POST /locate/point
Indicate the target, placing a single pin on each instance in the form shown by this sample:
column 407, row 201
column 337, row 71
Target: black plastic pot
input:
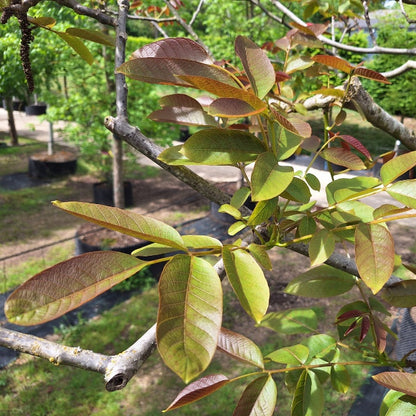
column 103, row 193
column 43, row 166
column 36, row 109
column 19, row 105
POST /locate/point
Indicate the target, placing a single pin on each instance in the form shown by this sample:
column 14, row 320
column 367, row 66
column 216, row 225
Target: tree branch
column 407, row 66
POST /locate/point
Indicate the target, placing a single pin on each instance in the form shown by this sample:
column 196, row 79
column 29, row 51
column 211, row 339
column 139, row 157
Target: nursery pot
column 103, row 193
column 43, row 165
column 36, row 109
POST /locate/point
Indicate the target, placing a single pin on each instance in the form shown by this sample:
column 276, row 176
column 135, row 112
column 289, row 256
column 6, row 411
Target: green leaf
column 321, row 246
column 343, row 157
column 198, row 389
column 291, row 321
column 240, row 348
column 44, row 21
column 248, row 282
column 201, row 241
column 261, row 256
column 257, row 65
column 240, row 197
column 404, row 382
column 293, row 355
column 401, row 294
column 313, row 181
column 320, row 346
column 297, row 191
column 78, row 46
column 68, row 285
column 404, row 192
column 259, row 398
column 340, row 378
column 298, row 63
column 236, row 227
column 309, row 397
column 262, row 211
column 222, row 147
column 307, row 226
column 92, row 35
column 374, row 254
column 269, row 179
column 343, row 189
column 153, row 249
column 397, row 166
column 190, row 314
column 230, row 210
column 405, row 405
column 287, row 142
column 320, row 282
column 173, row 156
column 389, row 399
column 126, row 222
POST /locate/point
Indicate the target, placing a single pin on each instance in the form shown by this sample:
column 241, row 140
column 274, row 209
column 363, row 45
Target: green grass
column 14, row 275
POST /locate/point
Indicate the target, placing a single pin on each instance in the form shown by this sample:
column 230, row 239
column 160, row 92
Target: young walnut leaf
column 67, row 285
column 397, row 166
column 240, row 348
column 404, row 382
column 374, row 254
column 334, row 62
column 257, row 65
column 125, row 222
column 259, row 398
column 370, row 74
column 190, row 314
column 198, row 390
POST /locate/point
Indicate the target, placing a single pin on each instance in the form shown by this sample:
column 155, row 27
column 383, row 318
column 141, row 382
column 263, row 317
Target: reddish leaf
column 179, row 48
column 68, row 285
column 334, row 62
column 282, row 76
column 304, row 29
column 381, row 334
column 404, row 382
column 198, row 389
column 356, row 144
column 343, row 157
column 232, row 107
column 370, row 74
column 348, row 315
column 284, row 122
column 240, row 347
column 257, row 65
column 350, row 328
column 365, row 326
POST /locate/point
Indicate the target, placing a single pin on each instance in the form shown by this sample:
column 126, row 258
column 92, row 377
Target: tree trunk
column 12, row 126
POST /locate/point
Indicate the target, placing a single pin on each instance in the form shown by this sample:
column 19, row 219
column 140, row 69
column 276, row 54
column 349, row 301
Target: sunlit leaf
column 386, row 210
column 397, row 166
column 405, row 405
column 190, row 314
column 374, row 255
column 201, row 241
column 319, row 282
column 340, row 378
column 248, row 281
column 297, row 191
column 356, row 144
column 343, row 157
column 388, row 400
column 183, row 48
column 345, row 188
column 170, row 71
column 198, row 389
column 92, row 35
column 257, row 65
column 44, row 21
column 222, row 147
column 321, row 246
column 320, row 346
column 285, row 123
column 404, row 192
column 334, row 62
column 291, row 321
column 236, row 227
column 223, row 89
column 287, row 143
column 269, row 179
column 401, row 294
column 126, row 222
column 153, row 249
column 68, row 285
column 240, row 197
column 263, row 211
column 78, row 46
column 298, row 63
column 259, row 398
column 173, row 156
column 370, row 74
column 293, row 355
column 240, row 347
column 404, row 382
column 260, row 254
column 232, row 107
column 230, row 210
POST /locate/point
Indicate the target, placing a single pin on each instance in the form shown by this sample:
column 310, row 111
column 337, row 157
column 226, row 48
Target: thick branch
column 96, row 14
column 144, row 145
column 407, row 66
